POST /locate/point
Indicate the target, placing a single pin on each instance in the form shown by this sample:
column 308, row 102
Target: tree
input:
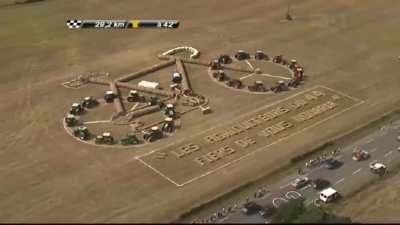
column 333, row 218
column 295, row 211
column 316, row 215
column 312, row 214
column 290, row 211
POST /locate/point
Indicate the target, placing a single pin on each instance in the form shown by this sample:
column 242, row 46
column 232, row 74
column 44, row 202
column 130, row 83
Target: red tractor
column 298, row 72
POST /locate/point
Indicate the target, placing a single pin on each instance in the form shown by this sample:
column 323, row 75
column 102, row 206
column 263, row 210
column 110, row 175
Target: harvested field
column 50, row 177
column 377, row 203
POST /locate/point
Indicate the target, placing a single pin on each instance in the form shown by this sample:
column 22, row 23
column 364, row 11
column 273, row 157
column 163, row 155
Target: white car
column 300, row 182
column 377, row 168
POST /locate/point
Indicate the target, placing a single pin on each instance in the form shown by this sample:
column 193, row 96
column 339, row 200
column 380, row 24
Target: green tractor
column 76, row 109
column 82, row 133
column 168, row 125
column 153, row 134
column 89, row 102
column 110, row 96
column 130, row 139
column 71, row 120
column 134, row 96
column 99, row 140
column 169, row 111
column 105, row 138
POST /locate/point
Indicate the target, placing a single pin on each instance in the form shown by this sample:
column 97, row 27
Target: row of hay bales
column 182, row 70
column 145, row 71
column 194, row 52
column 145, row 90
column 117, row 101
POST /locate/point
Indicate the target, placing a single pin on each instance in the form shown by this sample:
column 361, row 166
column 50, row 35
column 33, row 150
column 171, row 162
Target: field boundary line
column 158, row 172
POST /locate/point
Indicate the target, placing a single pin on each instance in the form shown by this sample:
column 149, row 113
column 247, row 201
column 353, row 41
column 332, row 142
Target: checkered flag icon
column 74, row 24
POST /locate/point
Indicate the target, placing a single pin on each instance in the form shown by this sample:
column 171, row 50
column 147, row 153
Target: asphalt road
column 382, row 146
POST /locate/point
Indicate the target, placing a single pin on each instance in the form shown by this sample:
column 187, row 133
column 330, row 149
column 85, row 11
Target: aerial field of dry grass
column 378, row 203
column 47, row 176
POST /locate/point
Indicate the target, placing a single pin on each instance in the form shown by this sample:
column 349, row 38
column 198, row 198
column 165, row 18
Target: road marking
column 305, row 187
column 266, row 195
column 373, row 150
column 161, row 174
column 339, row 181
column 357, row 171
column 293, row 195
column 387, row 154
column 277, row 205
column 374, row 161
column 369, row 141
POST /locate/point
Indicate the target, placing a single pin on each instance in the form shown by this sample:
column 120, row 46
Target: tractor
column 258, row 86
column 259, row 55
column 89, row 102
column 110, row 96
column 168, row 125
column 219, row 75
column 280, row 86
column 224, row 59
column 293, row 64
column 242, row 55
column 294, row 82
column 215, row 65
column 76, row 109
column 176, row 78
column 71, row 120
column 299, row 72
column 108, row 139
column 105, row 138
column 277, row 59
column 82, row 133
column 99, row 140
column 130, row 139
column 234, row 83
column 134, row 96
column 169, row 110
column 153, row 134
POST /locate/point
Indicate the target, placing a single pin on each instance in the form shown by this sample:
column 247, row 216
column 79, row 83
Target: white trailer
column 149, row 84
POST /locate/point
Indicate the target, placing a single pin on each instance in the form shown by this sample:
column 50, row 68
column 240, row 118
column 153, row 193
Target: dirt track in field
column 47, row 176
